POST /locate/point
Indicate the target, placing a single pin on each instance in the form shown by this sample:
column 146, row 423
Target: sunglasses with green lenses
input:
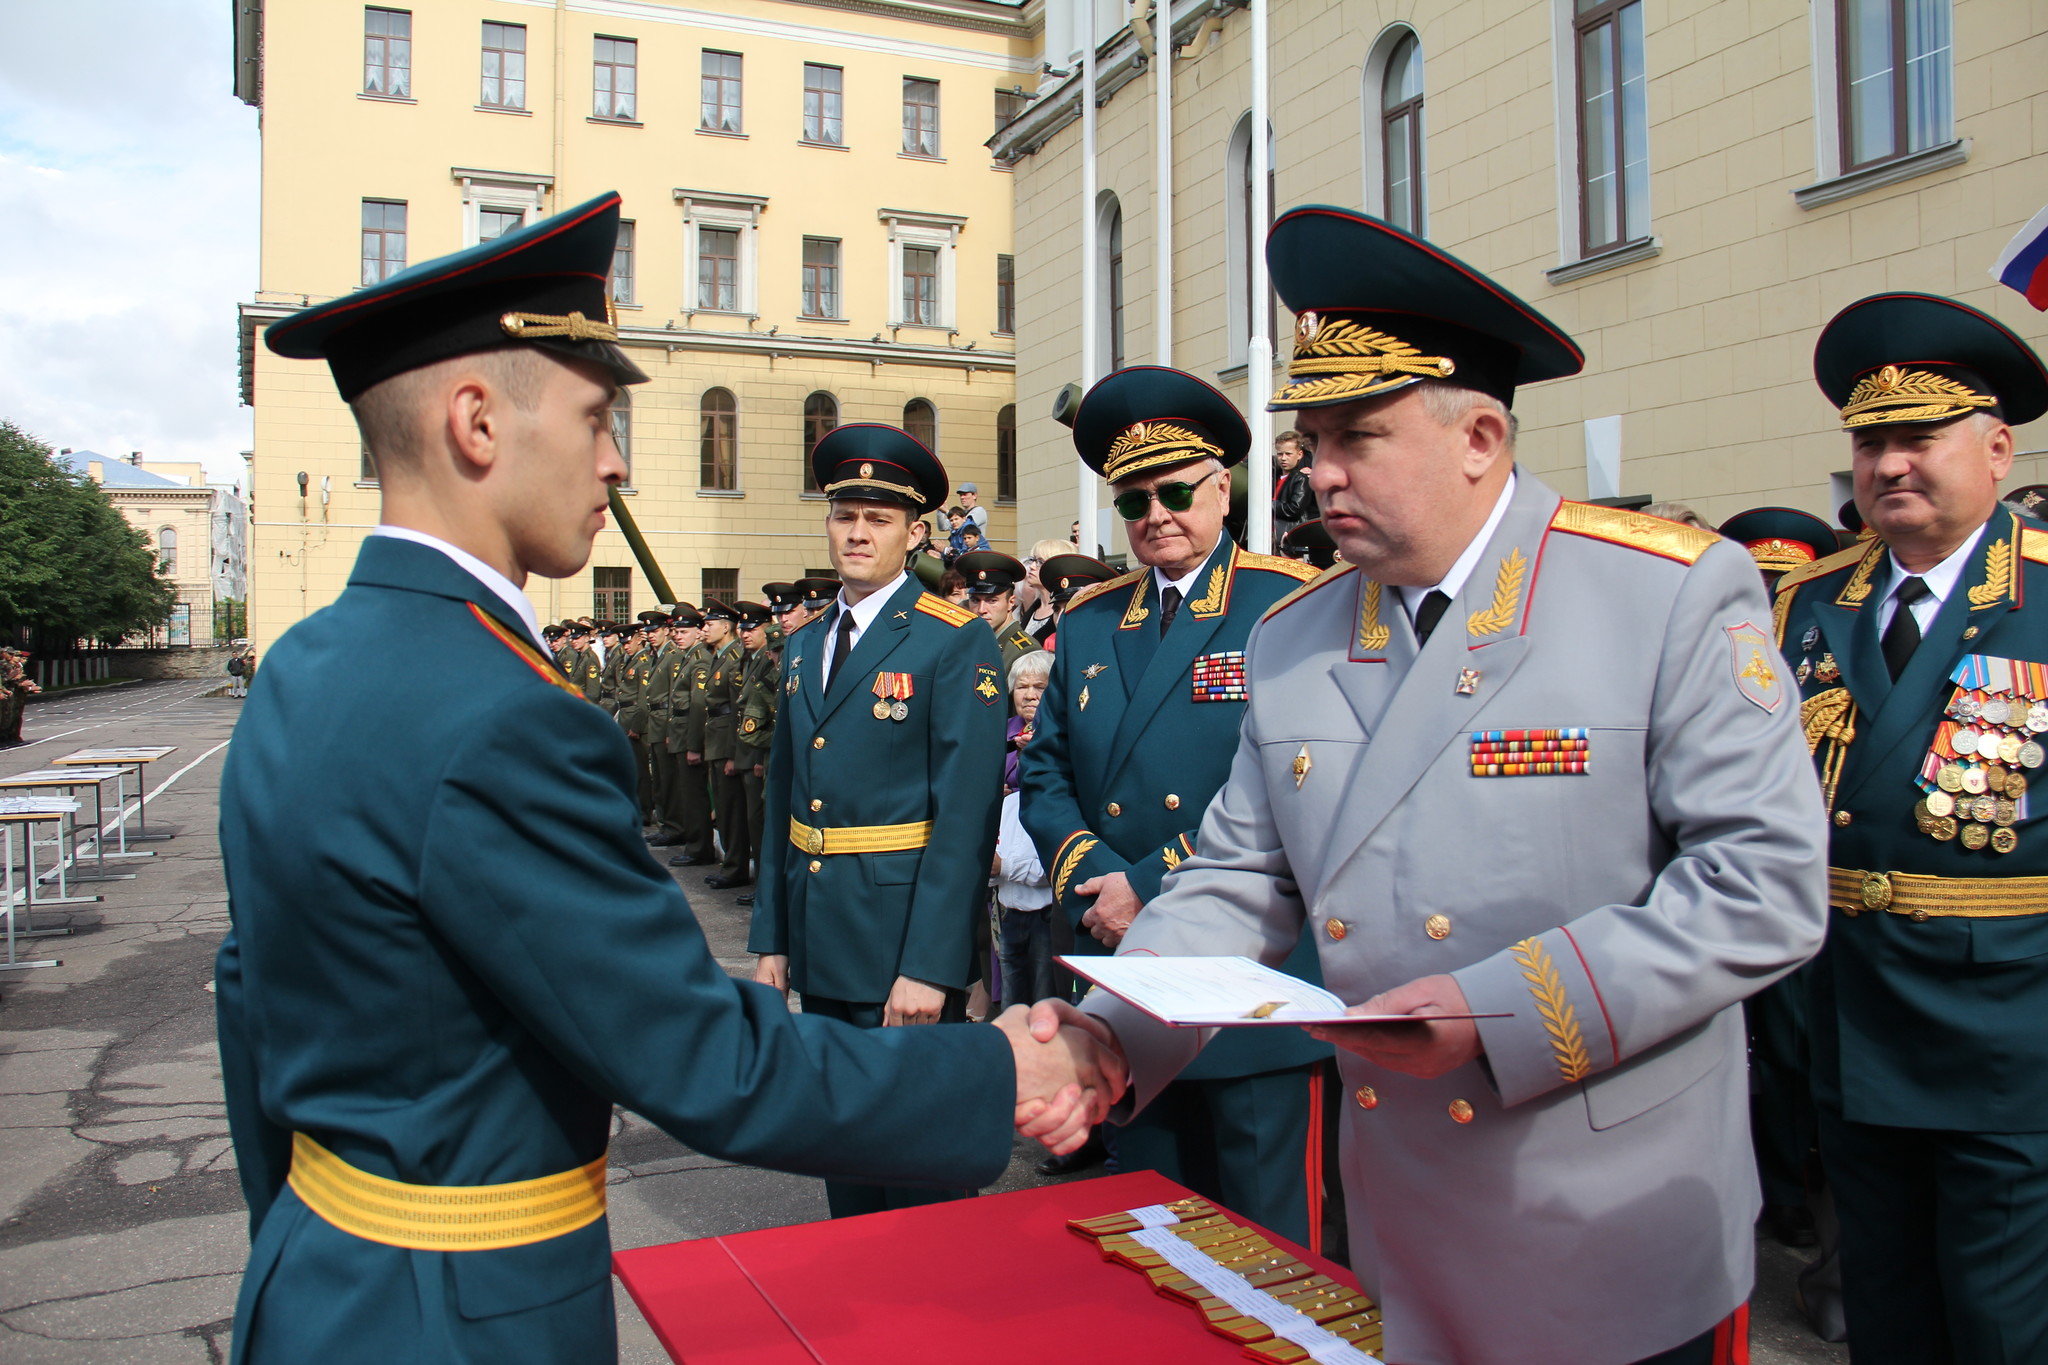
column 1174, row 497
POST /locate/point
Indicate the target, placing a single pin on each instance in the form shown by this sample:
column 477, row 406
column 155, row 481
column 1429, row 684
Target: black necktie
column 1902, row 636
column 1169, row 607
column 842, row 645
column 1432, row 610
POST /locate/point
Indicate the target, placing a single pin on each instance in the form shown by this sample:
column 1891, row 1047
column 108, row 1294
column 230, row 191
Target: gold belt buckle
column 814, row 840
column 1877, row 891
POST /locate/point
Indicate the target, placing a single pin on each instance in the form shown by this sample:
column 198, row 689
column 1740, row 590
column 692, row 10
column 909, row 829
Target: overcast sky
column 128, row 227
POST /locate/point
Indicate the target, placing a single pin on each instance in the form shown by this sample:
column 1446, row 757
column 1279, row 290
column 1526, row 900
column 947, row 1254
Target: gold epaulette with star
column 1329, row 575
column 1825, row 565
column 953, row 615
column 1618, row 526
column 1095, row 590
column 1295, row 569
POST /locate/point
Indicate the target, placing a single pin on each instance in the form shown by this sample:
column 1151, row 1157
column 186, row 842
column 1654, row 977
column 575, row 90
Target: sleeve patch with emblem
column 985, row 686
column 1753, row 663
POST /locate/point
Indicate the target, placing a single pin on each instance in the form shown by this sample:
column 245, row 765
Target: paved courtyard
column 122, row 1230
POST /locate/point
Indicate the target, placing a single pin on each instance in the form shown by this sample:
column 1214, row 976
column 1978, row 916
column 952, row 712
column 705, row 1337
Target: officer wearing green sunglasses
column 1133, row 737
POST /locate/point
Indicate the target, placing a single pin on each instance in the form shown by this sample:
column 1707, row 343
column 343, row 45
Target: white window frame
column 932, row 230
column 730, row 212
column 511, row 191
column 1572, row 263
column 1830, row 182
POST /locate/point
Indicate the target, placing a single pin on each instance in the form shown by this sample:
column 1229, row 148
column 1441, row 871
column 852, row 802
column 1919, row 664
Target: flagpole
column 1162, row 180
column 1259, row 353
column 1091, row 303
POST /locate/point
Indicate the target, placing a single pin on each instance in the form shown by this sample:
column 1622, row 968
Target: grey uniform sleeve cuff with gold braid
column 1558, row 1033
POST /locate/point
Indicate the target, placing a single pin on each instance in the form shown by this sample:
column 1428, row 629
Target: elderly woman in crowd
column 1023, row 896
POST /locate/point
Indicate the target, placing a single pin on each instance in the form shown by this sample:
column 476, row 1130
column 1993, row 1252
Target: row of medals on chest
column 1979, row 803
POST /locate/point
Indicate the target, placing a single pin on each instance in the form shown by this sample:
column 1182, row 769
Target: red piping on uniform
column 1598, row 998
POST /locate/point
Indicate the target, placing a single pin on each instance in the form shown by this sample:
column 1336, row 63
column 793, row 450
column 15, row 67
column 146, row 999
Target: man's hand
column 772, row 969
column 632, row 734
column 693, row 759
column 1070, row 1071
column 1419, row 1049
column 1116, row 905
column 728, row 767
column 760, row 770
column 912, row 1002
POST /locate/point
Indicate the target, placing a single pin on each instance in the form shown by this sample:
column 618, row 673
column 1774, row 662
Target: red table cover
column 998, row 1280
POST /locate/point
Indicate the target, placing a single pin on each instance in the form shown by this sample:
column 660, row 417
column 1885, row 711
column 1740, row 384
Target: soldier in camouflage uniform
column 760, row 690
column 721, row 729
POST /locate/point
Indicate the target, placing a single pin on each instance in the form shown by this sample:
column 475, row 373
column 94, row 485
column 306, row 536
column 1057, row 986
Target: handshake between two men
column 1070, row 1072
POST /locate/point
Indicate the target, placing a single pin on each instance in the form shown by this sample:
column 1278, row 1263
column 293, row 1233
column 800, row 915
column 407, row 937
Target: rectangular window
column 721, row 92
column 383, row 239
column 719, row 585
column 622, row 264
column 366, row 467
column 821, row 277
column 622, row 430
column 718, row 269
column 824, row 112
column 387, row 52
column 718, row 441
column 611, row 594
column 920, row 117
column 493, row 223
column 1614, row 125
column 921, row 285
column 1009, row 104
column 615, row 79
column 504, row 66
column 1896, row 78
column 1006, row 294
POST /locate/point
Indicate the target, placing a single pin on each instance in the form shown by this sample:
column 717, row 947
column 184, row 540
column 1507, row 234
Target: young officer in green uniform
column 992, row 579
column 586, row 670
column 420, row 1066
column 657, row 697
column 1922, row 657
column 759, row 689
column 559, row 646
column 1065, row 576
column 1135, row 734
column 686, row 806
column 608, row 679
column 719, row 695
column 877, row 864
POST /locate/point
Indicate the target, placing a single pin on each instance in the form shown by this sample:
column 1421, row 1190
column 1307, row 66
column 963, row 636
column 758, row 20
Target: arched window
column 921, row 420
column 1243, row 237
column 719, row 444
column 1113, row 282
column 821, row 414
column 622, row 429
column 1401, row 135
column 1006, row 453
column 167, row 552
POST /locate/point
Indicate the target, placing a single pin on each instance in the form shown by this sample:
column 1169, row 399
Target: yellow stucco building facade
column 816, row 234
column 1691, row 188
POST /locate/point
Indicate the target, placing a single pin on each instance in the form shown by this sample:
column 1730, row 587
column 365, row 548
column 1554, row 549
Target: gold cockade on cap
column 1337, row 359
column 574, row 326
column 1894, row 394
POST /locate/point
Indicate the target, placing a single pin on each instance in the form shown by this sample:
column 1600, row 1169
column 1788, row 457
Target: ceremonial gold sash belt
column 1922, row 897
column 444, row 1217
column 860, row 838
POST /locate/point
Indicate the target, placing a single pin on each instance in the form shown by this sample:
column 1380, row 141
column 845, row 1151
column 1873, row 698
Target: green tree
column 71, row 567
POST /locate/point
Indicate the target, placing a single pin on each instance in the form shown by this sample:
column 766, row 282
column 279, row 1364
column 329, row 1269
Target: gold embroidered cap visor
column 1780, row 539
column 1378, row 309
column 542, row 285
column 1894, row 359
column 1148, row 417
column 873, row 462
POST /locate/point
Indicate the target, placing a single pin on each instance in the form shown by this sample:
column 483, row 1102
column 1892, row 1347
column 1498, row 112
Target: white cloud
column 129, row 172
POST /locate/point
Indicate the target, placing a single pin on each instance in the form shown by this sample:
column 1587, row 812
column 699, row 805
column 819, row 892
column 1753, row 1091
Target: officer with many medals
column 1922, row 657
column 875, row 868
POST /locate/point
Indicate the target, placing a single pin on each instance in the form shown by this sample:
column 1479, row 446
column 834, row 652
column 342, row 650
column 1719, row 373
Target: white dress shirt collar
column 863, row 613
column 503, row 587
column 1186, row 582
column 1940, row 580
column 1454, row 581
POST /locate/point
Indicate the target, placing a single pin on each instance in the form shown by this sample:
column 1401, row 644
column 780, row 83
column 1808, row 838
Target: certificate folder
column 1225, row 992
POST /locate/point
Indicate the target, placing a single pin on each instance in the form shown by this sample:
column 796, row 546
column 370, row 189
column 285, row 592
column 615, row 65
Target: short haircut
column 1447, row 403
column 1037, row 665
column 391, row 417
column 1290, row 436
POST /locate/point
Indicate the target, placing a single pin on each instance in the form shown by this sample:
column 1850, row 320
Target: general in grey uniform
column 1569, row 788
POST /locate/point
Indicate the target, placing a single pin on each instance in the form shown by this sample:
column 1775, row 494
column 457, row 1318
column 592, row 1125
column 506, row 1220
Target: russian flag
column 2023, row 265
